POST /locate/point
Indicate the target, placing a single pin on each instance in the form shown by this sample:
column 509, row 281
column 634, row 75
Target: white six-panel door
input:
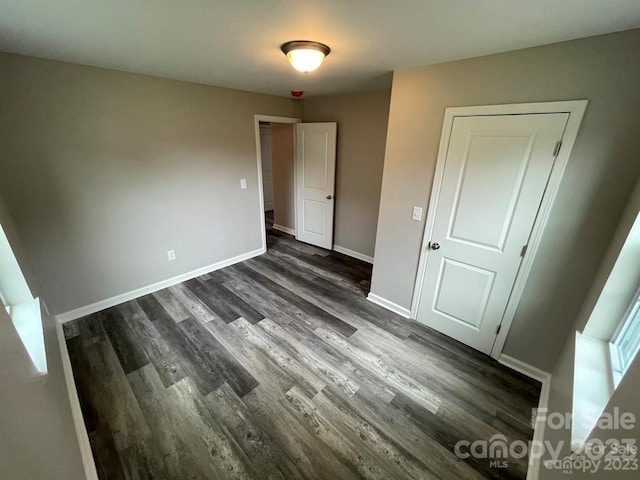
column 315, row 182
column 495, row 174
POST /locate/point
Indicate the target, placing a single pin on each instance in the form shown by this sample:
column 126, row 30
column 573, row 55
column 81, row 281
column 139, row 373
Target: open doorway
column 277, row 154
column 278, row 175
column 296, row 168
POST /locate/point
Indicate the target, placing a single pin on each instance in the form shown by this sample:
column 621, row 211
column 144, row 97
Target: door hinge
column 524, row 250
column 498, row 329
column 556, row 150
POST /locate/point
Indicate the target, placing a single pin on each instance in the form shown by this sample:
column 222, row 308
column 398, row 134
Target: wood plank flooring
column 279, row 368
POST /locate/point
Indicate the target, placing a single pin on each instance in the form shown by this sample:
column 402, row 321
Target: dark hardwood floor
column 279, row 368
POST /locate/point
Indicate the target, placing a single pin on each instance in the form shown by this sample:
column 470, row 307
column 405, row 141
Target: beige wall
column 604, row 164
column 37, row 439
column 362, row 128
column 105, row 171
column 282, row 158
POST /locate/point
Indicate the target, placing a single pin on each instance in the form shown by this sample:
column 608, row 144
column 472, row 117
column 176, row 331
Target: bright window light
column 626, row 342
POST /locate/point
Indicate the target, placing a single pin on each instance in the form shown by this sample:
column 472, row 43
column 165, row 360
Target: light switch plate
column 416, row 214
column 243, row 183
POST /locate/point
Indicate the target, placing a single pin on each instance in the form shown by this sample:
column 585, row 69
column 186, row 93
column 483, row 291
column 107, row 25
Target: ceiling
column 235, row 43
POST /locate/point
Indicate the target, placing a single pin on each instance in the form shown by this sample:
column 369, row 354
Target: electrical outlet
column 243, row 183
column 416, row 214
column 171, row 255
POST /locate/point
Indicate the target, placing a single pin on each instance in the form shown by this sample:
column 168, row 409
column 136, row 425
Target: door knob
column 329, row 197
column 434, row 245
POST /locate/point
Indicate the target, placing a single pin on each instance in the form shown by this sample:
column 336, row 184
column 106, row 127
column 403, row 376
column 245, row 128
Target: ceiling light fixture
column 304, row 55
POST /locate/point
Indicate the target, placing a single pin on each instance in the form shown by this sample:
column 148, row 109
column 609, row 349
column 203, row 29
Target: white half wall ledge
column 395, row 308
column 281, row 228
column 88, row 461
column 27, row 320
column 353, row 253
column 139, row 292
column 533, row 470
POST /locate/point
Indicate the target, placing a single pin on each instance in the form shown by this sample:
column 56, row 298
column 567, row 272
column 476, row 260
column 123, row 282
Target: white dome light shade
column 305, row 56
column 305, row 60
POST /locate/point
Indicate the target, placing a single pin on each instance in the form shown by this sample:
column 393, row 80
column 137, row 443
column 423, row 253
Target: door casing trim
column 271, row 119
column 576, row 110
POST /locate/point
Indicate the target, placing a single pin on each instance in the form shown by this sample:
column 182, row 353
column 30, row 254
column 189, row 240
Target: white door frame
column 575, row 109
column 270, row 119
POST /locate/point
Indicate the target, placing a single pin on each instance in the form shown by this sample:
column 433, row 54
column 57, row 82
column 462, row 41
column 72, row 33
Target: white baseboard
column 353, row 253
column 524, row 368
column 288, row 230
column 125, row 297
column 76, row 411
column 533, row 471
column 383, row 302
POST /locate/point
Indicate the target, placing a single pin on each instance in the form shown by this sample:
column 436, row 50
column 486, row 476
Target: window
column 626, row 341
column 610, row 340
